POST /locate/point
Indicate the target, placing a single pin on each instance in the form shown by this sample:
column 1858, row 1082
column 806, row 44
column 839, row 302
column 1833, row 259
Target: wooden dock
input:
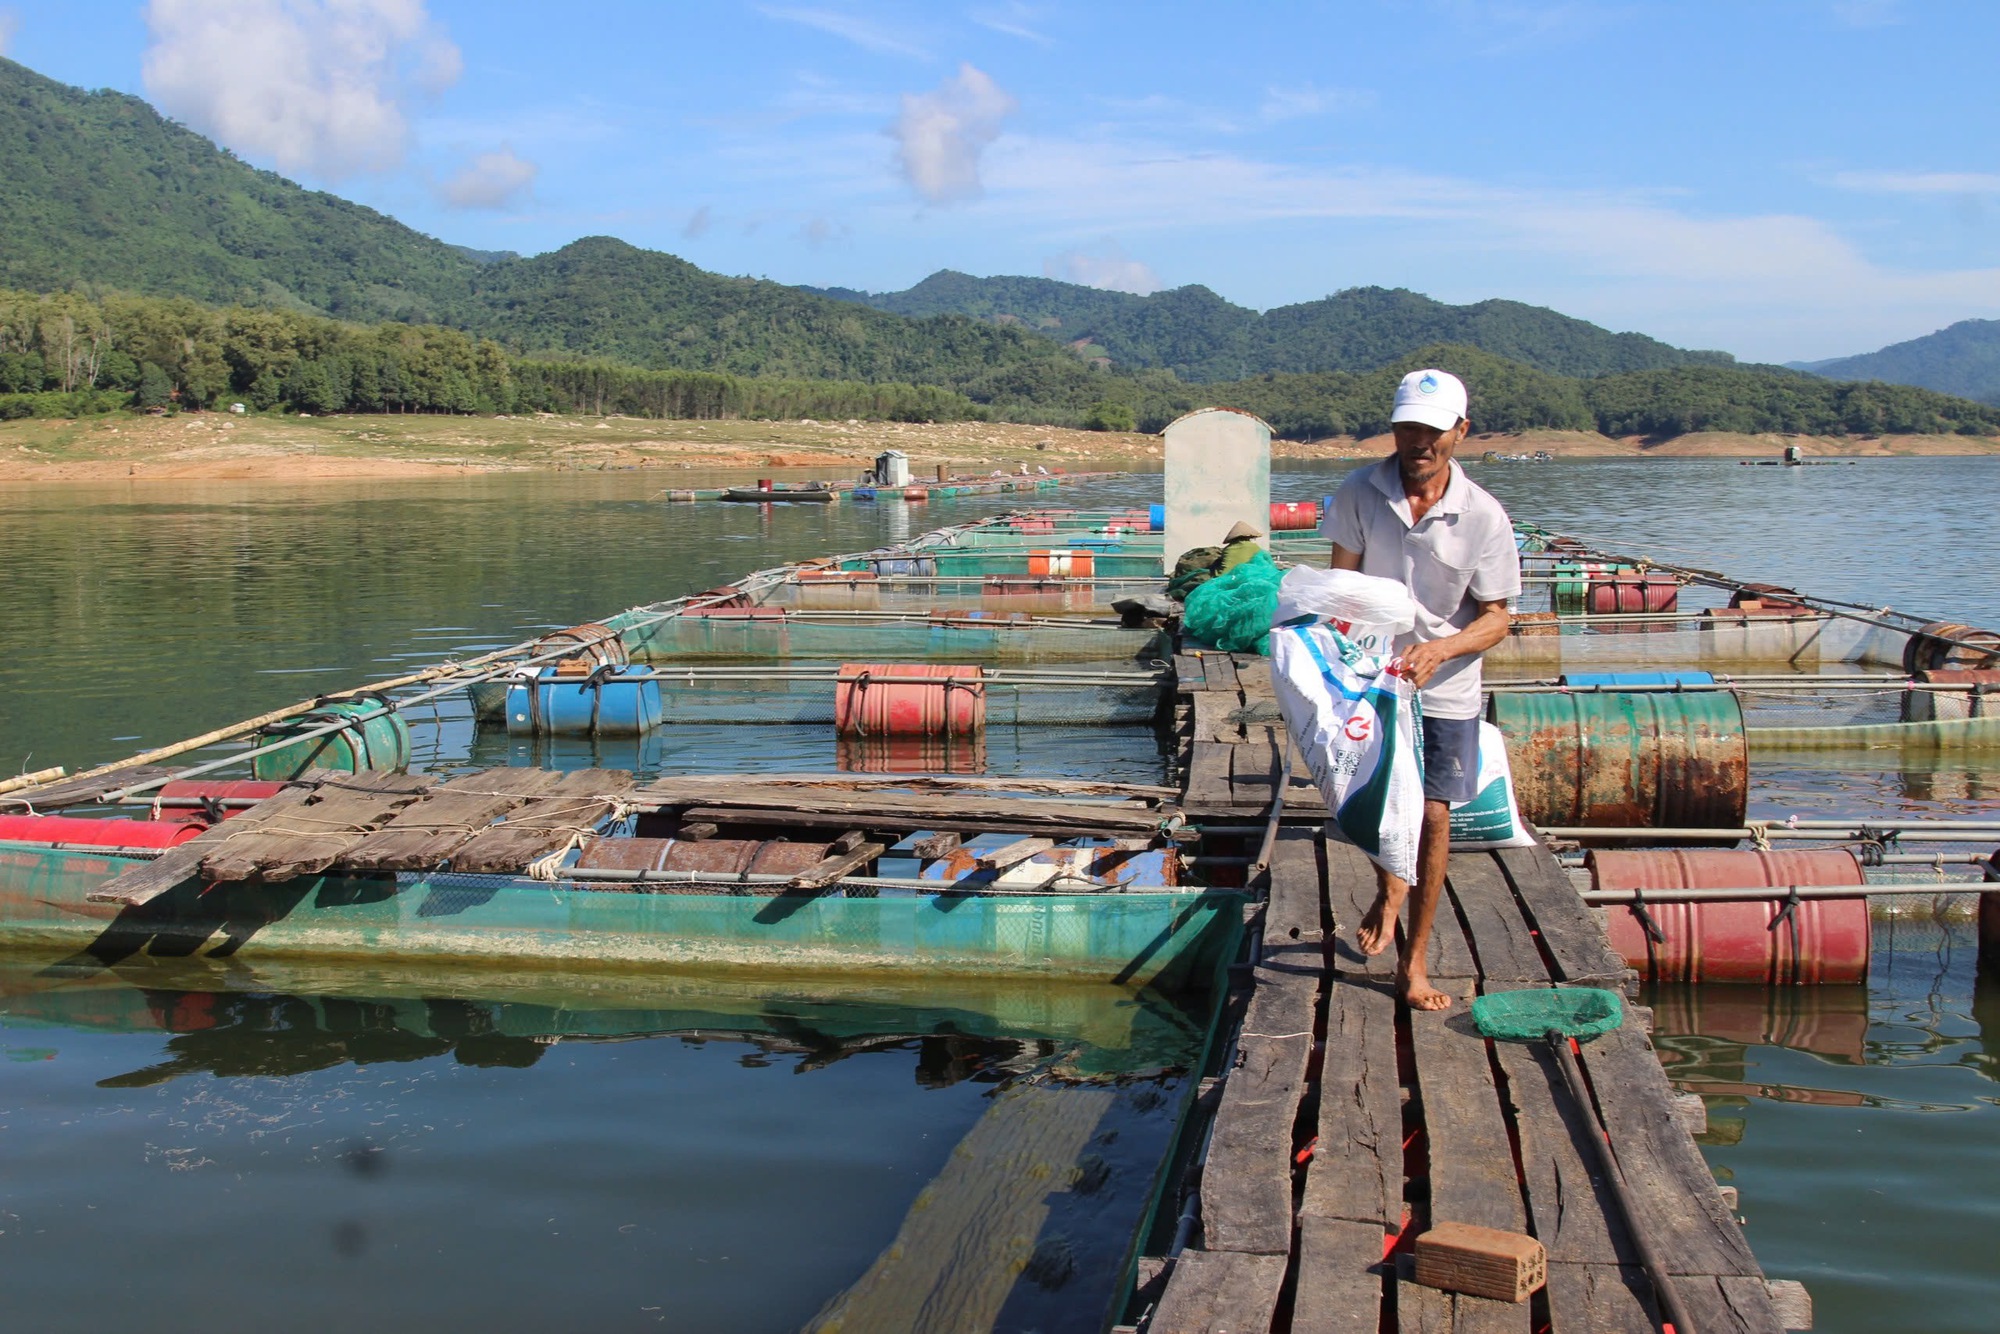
column 1345, row 1123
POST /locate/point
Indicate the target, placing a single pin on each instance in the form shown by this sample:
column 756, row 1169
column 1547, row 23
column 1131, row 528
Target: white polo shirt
column 1460, row 554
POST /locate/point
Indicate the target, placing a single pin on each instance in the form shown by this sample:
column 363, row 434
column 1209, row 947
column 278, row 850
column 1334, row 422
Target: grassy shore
column 216, row 446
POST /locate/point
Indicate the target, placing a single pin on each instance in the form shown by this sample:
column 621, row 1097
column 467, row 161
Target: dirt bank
column 214, row 446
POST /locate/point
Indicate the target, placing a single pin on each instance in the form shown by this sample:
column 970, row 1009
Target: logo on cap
column 1428, row 385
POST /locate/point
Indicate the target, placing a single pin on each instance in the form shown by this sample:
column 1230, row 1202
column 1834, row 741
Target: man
column 1415, row 517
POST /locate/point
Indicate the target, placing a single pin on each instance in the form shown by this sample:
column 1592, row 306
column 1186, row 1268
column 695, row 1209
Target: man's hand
column 1421, row 661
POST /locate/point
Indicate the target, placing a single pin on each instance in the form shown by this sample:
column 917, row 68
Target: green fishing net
column 1233, row 611
column 1529, row 1016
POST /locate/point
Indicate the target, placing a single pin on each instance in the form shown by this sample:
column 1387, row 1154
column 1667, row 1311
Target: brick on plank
column 421, row 836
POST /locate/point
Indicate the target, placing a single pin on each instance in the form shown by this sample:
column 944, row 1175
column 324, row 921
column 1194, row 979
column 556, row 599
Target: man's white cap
column 1435, row 398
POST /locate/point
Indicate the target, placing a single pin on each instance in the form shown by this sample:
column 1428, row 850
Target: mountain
column 1963, row 359
column 1200, row 336
column 100, row 192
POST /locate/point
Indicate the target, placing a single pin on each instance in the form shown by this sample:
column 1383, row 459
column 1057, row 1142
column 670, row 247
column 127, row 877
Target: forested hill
column 1963, row 359
column 99, row 191
column 1200, row 336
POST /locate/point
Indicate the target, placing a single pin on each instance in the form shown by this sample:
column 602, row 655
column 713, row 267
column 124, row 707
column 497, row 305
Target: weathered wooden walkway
column 1345, row 1123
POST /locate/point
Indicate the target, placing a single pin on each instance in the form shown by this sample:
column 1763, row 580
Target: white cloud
column 1920, row 182
column 10, row 23
column 940, row 135
column 320, row 87
column 1013, row 19
column 1311, row 100
column 848, row 27
column 1104, row 265
column 491, row 180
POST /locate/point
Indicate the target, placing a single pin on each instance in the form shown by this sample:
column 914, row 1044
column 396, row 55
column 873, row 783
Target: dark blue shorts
column 1451, row 759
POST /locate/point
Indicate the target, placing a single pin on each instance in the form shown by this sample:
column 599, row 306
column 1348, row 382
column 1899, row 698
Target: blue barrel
column 1637, row 678
column 611, row 701
column 862, row 493
column 378, row 744
column 1156, row 518
column 922, row 565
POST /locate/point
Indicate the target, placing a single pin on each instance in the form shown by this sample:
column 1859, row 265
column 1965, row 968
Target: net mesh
column 1233, row 611
column 1530, row 1016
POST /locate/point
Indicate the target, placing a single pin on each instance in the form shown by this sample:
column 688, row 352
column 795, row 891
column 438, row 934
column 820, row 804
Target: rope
column 1760, row 834
column 549, row 866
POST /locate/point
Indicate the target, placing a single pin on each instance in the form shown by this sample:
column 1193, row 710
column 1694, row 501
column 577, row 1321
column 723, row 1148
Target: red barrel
column 1062, row 564
column 909, row 699
column 1734, row 940
column 177, row 800
column 1035, row 526
column 916, row 493
column 1630, row 592
column 763, row 484
column 1294, row 515
column 70, row 830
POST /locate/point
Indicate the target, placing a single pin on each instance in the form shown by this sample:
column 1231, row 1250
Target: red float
column 1290, row 516
column 1630, row 593
column 185, row 798
column 909, row 699
column 1062, row 564
column 1737, row 940
column 74, row 831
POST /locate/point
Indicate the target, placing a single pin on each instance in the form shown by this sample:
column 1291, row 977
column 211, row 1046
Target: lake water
column 218, row 1151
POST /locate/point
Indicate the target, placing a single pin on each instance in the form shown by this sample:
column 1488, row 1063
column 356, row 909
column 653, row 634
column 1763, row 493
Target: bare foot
column 1378, row 928
column 1416, row 989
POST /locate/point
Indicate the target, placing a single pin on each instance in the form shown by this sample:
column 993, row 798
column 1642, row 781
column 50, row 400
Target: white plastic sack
column 1355, row 723
column 1490, row 819
column 1370, row 611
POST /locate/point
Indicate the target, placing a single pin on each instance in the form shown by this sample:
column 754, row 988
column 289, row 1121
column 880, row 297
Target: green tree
column 155, row 389
column 1105, row 415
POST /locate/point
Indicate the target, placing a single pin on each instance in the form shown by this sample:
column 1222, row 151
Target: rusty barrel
column 1061, row 563
column 76, row 831
column 1928, row 706
column 1766, row 597
column 1931, row 649
column 1290, row 516
column 909, row 699
column 721, row 856
column 1741, row 940
column 916, row 493
column 592, row 643
column 1630, row 592
column 1627, row 759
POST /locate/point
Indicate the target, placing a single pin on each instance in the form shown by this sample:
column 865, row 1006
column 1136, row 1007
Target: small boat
column 818, row 493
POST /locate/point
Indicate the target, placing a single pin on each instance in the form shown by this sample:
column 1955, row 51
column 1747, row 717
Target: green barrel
column 380, row 744
column 1570, row 592
column 1665, row 759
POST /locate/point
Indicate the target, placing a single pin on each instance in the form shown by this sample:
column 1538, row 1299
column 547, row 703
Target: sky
column 1781, row 179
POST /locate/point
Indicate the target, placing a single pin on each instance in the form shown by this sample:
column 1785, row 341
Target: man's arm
column 1488, row 628
column 1343, row 559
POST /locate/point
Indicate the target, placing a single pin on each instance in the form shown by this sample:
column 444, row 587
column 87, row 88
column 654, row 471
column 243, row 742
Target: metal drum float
column 909, row 699
column 1632, row 593
column 362, row 745
column 1062, row 564
column 70, row 831
column 1291, row 516
column 591, row 644
column 1626, row 759
column 1770, row 942
column 1928, row 706
column 613, row 700
column 1931, row 649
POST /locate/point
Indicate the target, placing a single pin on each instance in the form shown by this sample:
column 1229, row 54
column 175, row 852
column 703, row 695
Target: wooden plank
column 566, row 811
column 314, row 836
column 1208, row 774
column 1218, row 671
column 1217, row 716
column 1293, row 906
column 1471, row 1161
column 1247, row 1182
column 829, row 869
column 1421, row 1310
column 1452, row 966
column 1013, row 854
column 1356, row 1172
column 1220, row 1292
column 1570, row 931
column 1253, row 674
column 1188, row 674
column 1673, row 1192
column 1725, row 1304
column 1573, row 1211
column 937, row 845
column 948, row 812
column 1340, row 1271
column 421, row 836
column 1350, row 889
column 142, row 884
column 76, row 791
column 1592, row 1297
column 1500, row 935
